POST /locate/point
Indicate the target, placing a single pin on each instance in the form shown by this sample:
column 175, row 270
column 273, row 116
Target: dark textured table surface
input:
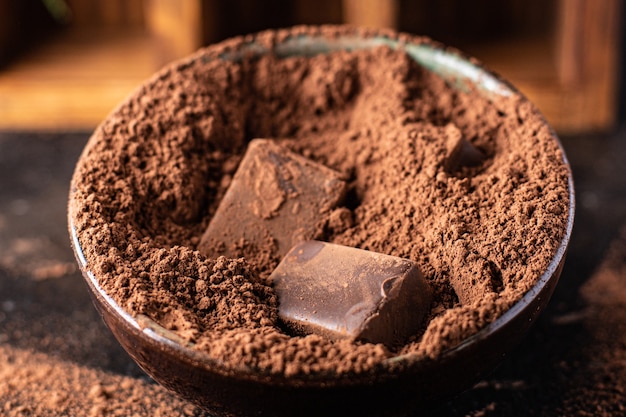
column 57, row 358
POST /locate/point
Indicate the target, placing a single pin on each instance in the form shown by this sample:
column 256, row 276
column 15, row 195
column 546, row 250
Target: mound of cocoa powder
column 154, row 172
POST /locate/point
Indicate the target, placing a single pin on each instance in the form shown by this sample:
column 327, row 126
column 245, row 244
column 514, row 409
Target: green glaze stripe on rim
column 447, row 64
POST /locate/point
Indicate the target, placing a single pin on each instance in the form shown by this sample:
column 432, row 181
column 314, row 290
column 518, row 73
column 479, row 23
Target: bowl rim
column 448, row 62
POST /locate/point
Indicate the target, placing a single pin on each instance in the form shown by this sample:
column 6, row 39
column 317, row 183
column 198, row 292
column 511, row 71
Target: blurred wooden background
column 64, row 64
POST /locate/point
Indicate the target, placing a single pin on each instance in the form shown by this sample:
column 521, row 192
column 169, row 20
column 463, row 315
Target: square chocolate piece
column 275, row 194
column 342, row 292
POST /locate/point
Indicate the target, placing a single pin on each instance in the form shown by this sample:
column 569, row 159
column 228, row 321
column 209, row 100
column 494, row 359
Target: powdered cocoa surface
column 154, row 172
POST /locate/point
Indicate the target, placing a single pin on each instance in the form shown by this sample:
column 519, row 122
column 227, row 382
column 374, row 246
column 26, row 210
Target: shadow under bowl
column 226, row 391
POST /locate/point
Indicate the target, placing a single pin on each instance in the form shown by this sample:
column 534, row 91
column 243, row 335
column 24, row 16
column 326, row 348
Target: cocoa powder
column 153, row 174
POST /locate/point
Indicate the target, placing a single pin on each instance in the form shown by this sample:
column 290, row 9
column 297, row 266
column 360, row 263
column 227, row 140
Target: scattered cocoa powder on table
column 154, row 172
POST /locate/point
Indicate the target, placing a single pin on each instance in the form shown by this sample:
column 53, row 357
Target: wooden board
column 74, row 81
column 572, row 77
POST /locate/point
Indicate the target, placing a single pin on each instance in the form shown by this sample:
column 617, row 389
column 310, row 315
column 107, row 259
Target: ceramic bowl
column 419, row 384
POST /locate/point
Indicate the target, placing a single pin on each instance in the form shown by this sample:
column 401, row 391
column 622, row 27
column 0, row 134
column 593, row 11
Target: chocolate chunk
column 275, row 194
column 347, row 293
column 460, row 152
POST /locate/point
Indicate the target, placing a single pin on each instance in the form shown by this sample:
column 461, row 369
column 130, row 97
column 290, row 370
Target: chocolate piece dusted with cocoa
column 460, row 152
column 342, row 292
column 275, row 195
